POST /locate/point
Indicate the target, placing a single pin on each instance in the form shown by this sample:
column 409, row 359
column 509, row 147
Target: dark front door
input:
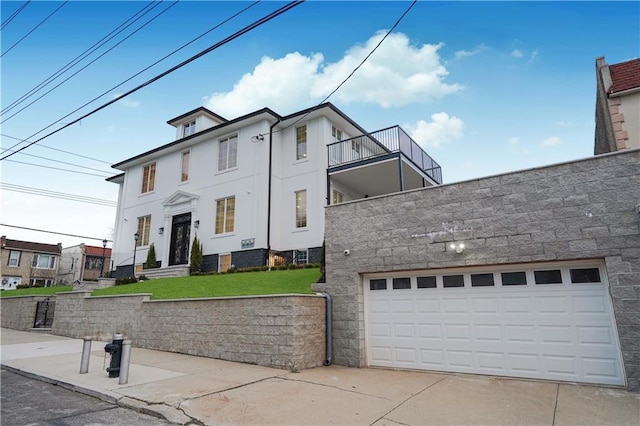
column 180, row 233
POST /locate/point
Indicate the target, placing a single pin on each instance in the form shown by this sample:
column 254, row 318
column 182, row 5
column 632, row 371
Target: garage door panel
column 554, row 331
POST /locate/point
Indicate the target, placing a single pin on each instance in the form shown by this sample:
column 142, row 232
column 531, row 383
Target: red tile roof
column 35, row 247
column 96, row 251
column 625, row 76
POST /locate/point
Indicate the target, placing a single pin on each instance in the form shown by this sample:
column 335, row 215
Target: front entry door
column 180, row 237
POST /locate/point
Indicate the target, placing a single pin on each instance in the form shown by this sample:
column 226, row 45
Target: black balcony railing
column 383, row 142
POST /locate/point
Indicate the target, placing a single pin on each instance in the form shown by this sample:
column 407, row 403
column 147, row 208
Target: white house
column 253, row 189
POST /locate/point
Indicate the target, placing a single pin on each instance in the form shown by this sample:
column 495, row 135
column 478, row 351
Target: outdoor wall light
column 459, row 248
column 161, row 231
column 196, row 224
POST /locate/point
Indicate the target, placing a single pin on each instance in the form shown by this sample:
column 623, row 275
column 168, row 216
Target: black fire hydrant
column 115, row 349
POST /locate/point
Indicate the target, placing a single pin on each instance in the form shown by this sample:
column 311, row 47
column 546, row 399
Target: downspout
column 269, row 190
column 328, row 329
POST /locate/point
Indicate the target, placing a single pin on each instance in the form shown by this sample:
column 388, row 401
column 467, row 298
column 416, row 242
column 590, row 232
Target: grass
column 35, row 291
column 297, row 281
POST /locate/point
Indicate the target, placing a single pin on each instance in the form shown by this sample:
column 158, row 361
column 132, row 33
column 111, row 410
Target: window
column 514, row 278
column 401, row 283
column 301, row 256
column 14, row 258
column 585, row 275
column 144, row 228
column 553, row 276
column 92, row 262
column 301, row 142
column 185, row 166
column 40, row 282
column 452, row 281
column 426, row 282
column 228, row 153
column 301, row 209
column 380, row 284
column 189, row 128
column 355, row 145
column 336, row 133
column 225, row 215
column 148, row 177
column 44, row 261
column 338, row 197
column 482, row 280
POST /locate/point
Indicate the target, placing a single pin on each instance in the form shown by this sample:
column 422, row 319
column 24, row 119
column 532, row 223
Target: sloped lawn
column 35, row 291
column 297, row 281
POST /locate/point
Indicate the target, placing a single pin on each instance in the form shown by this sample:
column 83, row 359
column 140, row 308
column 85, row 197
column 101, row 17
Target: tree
column 196, row 255
column 151, row 257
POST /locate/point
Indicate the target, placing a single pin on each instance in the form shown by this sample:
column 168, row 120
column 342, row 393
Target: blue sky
column 484, row 87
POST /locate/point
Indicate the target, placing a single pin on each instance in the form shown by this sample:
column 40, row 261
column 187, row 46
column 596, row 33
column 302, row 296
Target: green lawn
column 296, row 281
column 36, row 291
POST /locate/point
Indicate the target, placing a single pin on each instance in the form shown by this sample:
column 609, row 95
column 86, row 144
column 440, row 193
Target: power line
column 59, row 195
column 34, row 28
column 14, row 14
column 60, row 169
column 81, row 56
column 232, row 37
column 354, row 70
column 55, row 149
column 68, row 164
column 90, row 63
column 53, row 232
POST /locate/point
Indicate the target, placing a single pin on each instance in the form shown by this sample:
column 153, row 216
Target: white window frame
column 148, row 183
column 301, row 256
column 184, row 169
column 48, row 282
column 51, row 261
column 188, row 128
column 338, row 197
column 144, row 230
column 228, row 153
column 13, row 260
column 226, row 214
column 301, row 142
column 336, row 133
column 301, row 210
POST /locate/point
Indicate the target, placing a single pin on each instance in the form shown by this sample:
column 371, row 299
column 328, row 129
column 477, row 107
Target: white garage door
column 544, row 321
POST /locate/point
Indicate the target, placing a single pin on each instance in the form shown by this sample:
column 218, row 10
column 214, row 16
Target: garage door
column 543, row 321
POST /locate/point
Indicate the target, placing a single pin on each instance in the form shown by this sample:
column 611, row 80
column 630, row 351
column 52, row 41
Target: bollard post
column 86, row 353
column 124, row 362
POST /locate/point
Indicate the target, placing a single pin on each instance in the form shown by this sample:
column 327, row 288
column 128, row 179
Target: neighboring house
column 254, row 188
column 83, row 262
column 617, row 106
column 25, row 262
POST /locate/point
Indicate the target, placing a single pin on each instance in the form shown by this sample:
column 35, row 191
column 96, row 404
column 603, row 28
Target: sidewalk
column 187, row 389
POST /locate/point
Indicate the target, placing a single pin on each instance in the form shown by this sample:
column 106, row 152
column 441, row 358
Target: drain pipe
column 269, row 189
column 329, row 330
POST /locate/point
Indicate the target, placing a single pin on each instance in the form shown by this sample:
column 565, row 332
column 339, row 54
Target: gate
column 44, row 314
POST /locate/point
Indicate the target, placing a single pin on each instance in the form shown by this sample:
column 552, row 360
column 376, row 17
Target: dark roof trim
column 194, row 111
column 30, row 246
column 195, row 135
column 115, row 178
column 326, row 105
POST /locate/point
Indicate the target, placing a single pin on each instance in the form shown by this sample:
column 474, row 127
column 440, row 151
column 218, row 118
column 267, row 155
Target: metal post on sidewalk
column 124, row 362
column 86, row 353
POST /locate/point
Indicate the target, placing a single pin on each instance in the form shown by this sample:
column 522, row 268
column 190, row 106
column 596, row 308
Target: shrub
column 126, row 280
column 195, row 258
column 151, row 257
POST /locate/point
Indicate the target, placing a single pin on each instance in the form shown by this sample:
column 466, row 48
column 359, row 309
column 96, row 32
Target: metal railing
column 382, row 142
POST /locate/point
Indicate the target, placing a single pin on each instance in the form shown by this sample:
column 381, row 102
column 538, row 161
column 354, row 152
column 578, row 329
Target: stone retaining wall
column 284, row 331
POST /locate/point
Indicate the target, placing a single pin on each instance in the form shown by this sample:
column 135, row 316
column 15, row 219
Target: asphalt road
column 25, row 401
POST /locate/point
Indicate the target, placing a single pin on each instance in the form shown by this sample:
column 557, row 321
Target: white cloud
column 514, row 141
column 465, row 53
column 552, row 141
column 129, row 103
column 533, row 55
column 398, row 73
column 516, row 53
column 442, row 129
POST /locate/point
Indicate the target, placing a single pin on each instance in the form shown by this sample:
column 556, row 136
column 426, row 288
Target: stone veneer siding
column 284, row 331
column 584, row 209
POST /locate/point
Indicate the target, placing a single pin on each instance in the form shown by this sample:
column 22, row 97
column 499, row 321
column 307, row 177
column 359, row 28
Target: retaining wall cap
column 263, row 296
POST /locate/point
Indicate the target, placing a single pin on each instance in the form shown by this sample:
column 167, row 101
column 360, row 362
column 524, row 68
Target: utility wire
column 90, row 63
column 59, row 195
column 53, row 232
column 68, row 164
column 14, row 14
column 82, row 56
column 60, row 169
column 232, row 37
column 34, row 28
column 57, row 149
column 352, row 72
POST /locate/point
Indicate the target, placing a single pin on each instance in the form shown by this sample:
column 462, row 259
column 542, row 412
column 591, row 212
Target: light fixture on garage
column 458, row 247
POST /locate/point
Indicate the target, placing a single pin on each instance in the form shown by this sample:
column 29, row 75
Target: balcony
column 381, row 162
